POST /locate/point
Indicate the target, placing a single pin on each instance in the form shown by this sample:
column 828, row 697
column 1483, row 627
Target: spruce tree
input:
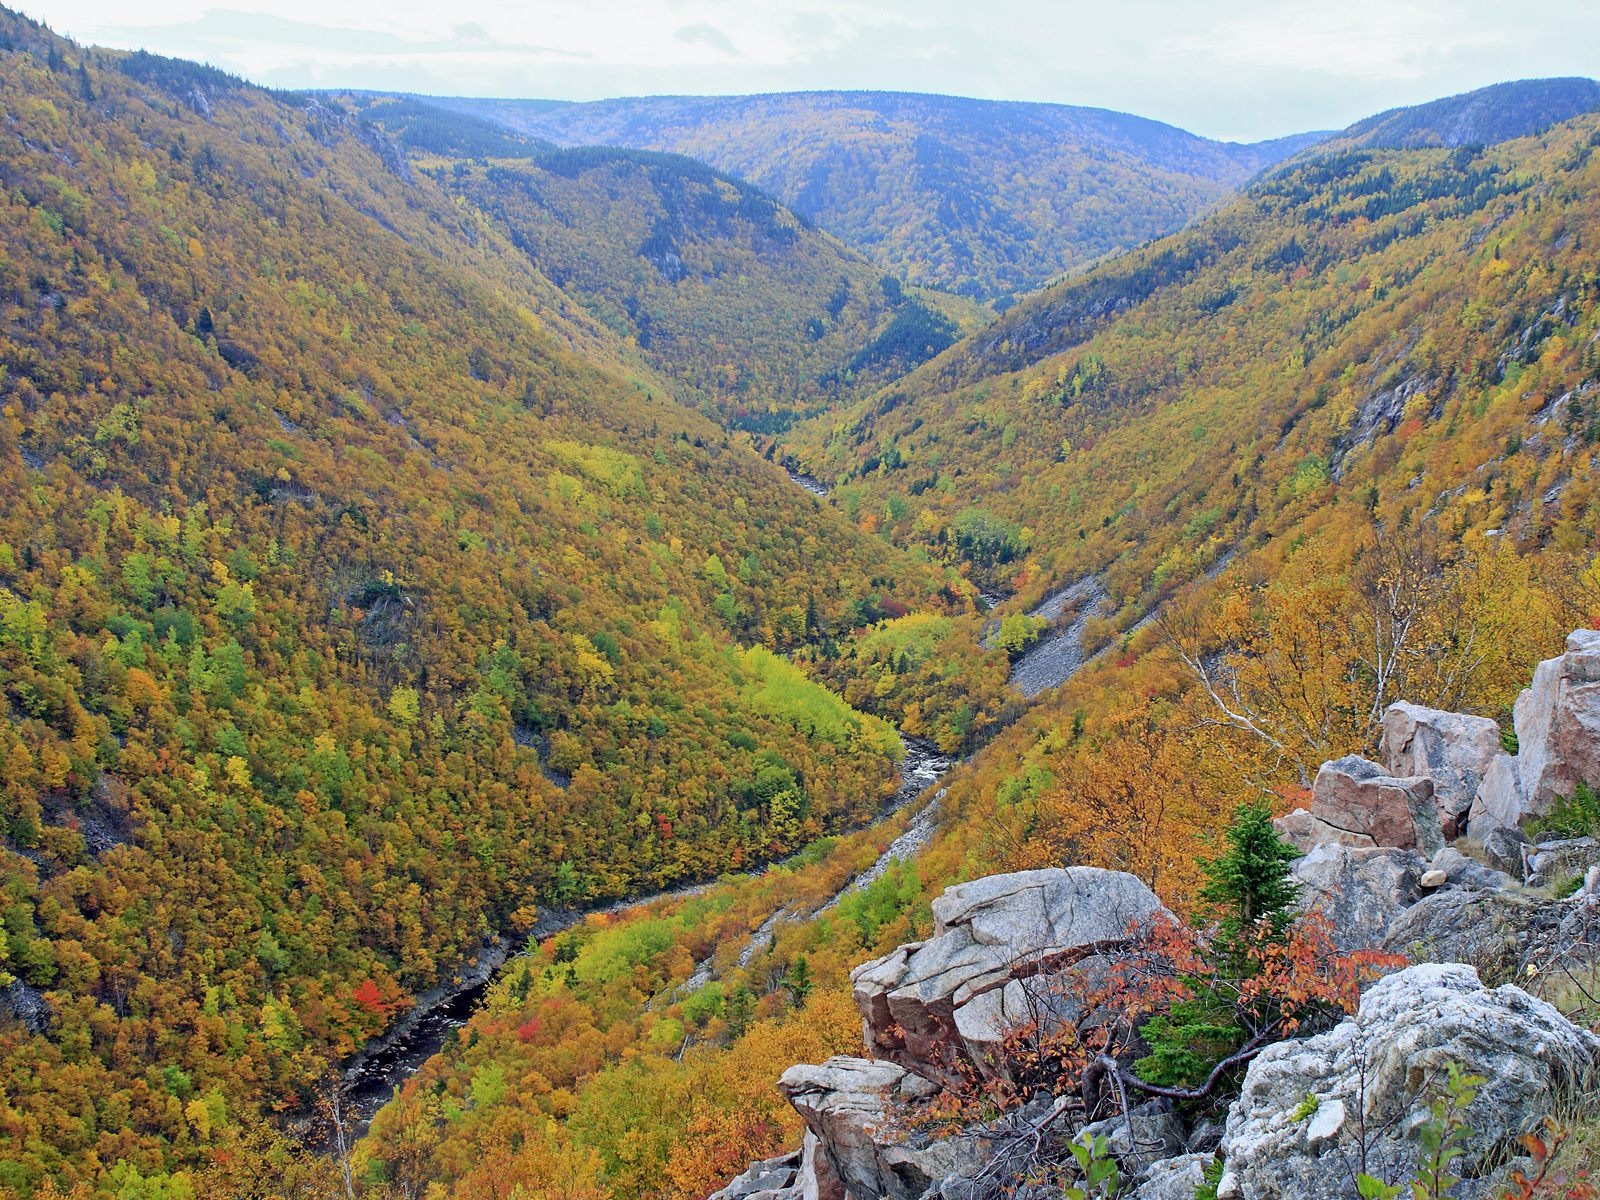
column 1249, row 893
column 1249, row 883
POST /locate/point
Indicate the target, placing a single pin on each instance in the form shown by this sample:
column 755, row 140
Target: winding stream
column 373, row 1075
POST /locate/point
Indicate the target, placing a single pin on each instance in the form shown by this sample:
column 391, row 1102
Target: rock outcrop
column 771, row 1179
column 1561, row 860
column 1371, row 1078
column 1172, row 1178
column 1453, row 750
column 844, row 1103
column 1009, row 949
column 1557, row 721
column 25, row 1005
column 941, row 1007
column 1355, row 802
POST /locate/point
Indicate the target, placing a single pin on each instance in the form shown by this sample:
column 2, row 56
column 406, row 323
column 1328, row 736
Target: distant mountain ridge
column 757, row 312
column 982, row 197
column 1482, row 117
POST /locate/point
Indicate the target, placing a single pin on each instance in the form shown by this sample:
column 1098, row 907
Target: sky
column 1233, row 69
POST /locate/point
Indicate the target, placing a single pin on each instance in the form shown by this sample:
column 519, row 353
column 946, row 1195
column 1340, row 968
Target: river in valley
column 808, row 482
column 372, row 1077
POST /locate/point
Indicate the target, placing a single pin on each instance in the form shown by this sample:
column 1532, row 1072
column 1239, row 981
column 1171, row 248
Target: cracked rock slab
column 939, row 1007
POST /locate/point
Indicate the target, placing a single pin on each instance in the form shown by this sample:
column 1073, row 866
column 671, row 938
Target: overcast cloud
column 1242, row 69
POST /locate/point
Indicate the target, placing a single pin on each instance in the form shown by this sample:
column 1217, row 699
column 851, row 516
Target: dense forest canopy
column 359, row 597
column 392, row 555
column 760, row 316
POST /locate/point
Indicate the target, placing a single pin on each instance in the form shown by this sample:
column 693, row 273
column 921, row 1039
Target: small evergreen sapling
column 1251, row 896
column 1248, row 887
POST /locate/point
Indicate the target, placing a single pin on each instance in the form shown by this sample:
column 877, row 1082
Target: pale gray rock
column 1461, row 925
column 1172, row 1178
column 1454, row 750
column 1503, row 846
column 844, row 1104
column 940, row 1007
column 768, row 1180
column 1433, row 878
column 1360, row 889
column 1562, row 859
column 1558, row 724
column 1382, row 1069
column 1499, row 803
column 1461, row 871
column 1205, row 1137
column 1356, row 803
column 1148, row 1133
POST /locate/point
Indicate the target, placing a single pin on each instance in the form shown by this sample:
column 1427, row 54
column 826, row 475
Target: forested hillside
column 359, row 597
column 979, row 197
column 1493, row 114
column 379, row 573
column 1339, row 440
column 759, row 314
column 1396, row 331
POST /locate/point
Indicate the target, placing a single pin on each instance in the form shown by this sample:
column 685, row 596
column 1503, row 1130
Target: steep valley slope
column 753, row 310
column 360, row 595
column 1366, row 384
column 374, row 578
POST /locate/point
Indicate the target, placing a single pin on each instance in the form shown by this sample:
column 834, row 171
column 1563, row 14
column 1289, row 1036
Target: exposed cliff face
column 1010, row 949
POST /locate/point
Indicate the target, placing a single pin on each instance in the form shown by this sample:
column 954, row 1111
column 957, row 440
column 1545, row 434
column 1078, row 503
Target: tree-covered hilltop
column 1492, row 114
column 359, row 597
column 758, row 314
column 980, row 197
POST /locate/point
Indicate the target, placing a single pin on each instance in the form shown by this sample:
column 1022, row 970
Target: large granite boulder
column 845, row 1104
column 1453, row 750
column 941, row 1007
column 1373, row 1077
column 1355, row 802
column 1557, row 720
column 1558, row 723
column 1499, row 804
column 1360, row 889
